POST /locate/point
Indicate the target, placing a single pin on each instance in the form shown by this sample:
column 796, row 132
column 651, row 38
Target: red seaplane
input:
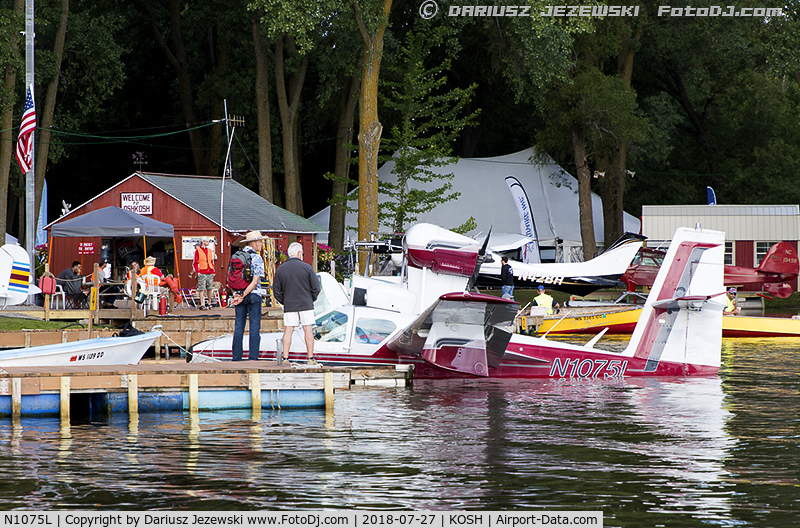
column 779, row 267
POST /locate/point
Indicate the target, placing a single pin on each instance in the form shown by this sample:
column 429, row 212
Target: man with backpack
column 244, row 277
column 296, row 287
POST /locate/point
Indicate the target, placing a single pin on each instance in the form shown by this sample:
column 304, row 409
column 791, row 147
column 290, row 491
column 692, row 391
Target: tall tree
column 170, row 38
column 344, row 139
column 372, row 17
column 45, row 115
column 613, row 161
column 11, row 64
column 429, row 117
column 289, row 91
column 264, row 136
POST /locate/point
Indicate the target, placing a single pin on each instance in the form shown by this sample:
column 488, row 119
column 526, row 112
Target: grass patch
column 10, row 324
column 793, row 301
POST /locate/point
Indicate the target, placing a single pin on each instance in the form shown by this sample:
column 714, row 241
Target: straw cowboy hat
column 150, row 261
column 252, row 236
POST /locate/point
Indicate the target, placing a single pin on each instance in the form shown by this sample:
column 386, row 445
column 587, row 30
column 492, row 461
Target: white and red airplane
column 427, row 317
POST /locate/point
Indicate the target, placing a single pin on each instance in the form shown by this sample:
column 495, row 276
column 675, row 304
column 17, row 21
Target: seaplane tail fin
column 681, row 321
column 15, row 275
column 781, row 258
column 461, row 332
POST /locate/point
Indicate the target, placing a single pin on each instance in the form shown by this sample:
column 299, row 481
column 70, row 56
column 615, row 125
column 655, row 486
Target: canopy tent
column 114, row 222
column 485, row 196
column 111, row 222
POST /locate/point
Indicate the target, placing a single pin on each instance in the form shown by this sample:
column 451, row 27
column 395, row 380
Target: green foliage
column 429, row 117
column 466, row 227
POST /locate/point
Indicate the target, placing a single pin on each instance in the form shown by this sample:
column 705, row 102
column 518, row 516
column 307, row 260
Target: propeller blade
column 479, row 261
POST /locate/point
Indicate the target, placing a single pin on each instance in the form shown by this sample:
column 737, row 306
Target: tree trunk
column 584, row 193
column 45, row 118
column 7, row 143
column 612, row 186
column 262, row 109
column 612, row 190
column 369, row 129
column 288, row 104
column 344, row 136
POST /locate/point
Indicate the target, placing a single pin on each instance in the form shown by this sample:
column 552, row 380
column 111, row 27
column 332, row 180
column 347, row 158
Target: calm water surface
column 719, row 451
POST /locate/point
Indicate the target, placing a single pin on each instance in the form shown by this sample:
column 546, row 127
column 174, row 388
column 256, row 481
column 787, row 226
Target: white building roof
column 739, row 222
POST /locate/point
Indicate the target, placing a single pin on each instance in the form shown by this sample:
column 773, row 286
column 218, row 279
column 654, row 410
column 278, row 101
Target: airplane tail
column 15, row 275
column 781, row 258
column 680, row 329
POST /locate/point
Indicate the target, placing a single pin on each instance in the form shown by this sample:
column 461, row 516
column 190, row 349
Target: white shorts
column 305, row 318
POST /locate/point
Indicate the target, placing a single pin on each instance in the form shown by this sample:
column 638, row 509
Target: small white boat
column 98, row 351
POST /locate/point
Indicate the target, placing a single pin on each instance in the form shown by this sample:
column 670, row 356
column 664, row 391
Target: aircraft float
column 428, row 317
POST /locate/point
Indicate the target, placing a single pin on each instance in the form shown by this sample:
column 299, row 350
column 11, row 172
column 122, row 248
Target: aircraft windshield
column 331, row 327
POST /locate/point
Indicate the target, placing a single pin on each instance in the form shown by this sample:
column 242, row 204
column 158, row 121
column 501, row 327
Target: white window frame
column 761, row 249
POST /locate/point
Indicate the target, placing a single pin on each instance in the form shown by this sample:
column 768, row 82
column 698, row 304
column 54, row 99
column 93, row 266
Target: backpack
column 240, row 273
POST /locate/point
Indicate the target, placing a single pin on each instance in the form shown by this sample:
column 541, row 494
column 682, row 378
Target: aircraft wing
column 577, row 278
column 462, row 332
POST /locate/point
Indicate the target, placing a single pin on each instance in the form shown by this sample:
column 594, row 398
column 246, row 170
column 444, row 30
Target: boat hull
column 624, row 321
column 617, row 322
column 98, row 351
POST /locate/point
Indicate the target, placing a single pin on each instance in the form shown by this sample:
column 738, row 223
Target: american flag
column 26, row 128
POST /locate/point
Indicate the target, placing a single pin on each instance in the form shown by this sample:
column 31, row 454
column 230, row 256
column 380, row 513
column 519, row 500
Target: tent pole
column 175, row 259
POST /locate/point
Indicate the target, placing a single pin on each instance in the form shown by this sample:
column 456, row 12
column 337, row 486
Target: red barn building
column 195, row 206
column 750, row 230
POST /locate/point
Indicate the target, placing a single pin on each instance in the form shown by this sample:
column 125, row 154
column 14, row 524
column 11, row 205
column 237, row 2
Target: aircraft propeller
column 479, row 261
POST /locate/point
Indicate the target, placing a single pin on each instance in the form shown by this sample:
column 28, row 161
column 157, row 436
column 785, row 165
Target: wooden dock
column 164, row 386
column 178, row 332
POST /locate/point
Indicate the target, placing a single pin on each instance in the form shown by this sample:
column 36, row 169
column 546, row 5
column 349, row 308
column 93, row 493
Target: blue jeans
column 508, row 290
column 250, row 307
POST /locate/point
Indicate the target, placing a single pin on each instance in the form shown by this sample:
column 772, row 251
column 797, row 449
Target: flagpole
column 30, row 177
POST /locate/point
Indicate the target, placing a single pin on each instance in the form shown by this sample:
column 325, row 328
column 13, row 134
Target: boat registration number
column 87, row 357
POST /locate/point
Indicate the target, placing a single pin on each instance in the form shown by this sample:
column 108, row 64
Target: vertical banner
column 527, row 226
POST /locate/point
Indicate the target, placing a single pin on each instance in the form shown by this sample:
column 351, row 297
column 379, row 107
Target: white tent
column 552, row 192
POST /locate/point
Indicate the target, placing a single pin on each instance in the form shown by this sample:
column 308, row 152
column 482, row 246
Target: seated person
column 166, row 281
column 72, row 281
column 104, row 289
column 150, row 267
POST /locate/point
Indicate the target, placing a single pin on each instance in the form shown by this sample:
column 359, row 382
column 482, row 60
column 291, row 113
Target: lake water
column 719, row 451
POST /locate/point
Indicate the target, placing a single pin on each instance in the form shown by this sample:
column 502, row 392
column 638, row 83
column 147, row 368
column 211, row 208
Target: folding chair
column 213, row 296
column 189, row 297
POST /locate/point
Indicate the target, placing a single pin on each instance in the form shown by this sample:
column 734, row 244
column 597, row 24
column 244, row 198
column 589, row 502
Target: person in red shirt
column 203, row 269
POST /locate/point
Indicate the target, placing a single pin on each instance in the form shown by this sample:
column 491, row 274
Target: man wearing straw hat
column 247, row 303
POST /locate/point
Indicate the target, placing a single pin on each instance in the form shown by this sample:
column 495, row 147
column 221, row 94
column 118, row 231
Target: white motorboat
column 114, row 350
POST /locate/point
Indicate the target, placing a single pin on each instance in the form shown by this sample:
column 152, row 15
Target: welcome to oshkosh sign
column 141, row 203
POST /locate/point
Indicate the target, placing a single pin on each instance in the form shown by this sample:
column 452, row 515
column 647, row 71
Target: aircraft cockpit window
column 373, row 331
column 331, row 327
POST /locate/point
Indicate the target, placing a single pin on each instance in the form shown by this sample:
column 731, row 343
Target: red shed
column 195, row 206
